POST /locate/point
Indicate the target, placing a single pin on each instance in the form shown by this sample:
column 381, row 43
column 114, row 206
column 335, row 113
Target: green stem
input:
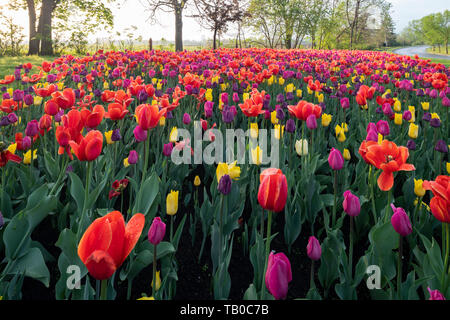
column 335, row 197
column 154, row 271
column 86, row 196
column 221, row 229
column 146, row 151
column 61, row 173
column 171, row 228
column 104, row 293
column 399, row 267
column 386, row 215
column 311, row 281
column 269, row 223
column 350, row 254
column 447, row 253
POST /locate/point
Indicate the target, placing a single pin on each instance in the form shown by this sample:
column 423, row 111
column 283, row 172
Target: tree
column 387, row 26
column 357, row 13
column 216, row 15
column 40, row 39
column 436, row 28
column 175, row 6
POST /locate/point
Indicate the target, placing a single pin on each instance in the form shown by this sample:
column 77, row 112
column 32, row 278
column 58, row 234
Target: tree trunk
column 33, row 41
column 45, row 27
column 214, row 39
column 178, row 29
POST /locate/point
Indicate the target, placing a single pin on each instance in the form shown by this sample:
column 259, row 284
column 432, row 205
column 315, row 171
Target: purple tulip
column 411, row 145
column 209, row 109
column 32, row 128
column 116, row 135
column 351, row 204
column 28, row 99
column 167, row 149
column 157, row 231
column 186, row 118
column 441, row 146
column 400, row 221
column 313, row 248
column 278, row 275
column 435, row 122
column 335, row 159
column 224, row 185
column 26, row 143
column 290, row 126
column 133, row 157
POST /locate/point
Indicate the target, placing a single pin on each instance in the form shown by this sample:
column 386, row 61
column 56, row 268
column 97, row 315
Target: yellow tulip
column 279, row 131
column 290, row 87
column 172, row 203
column 299, row 93
column 245, row 96
column 320, row 98
column 413, row 131
column 273, row 117
column 257, row 155
column 197, row 181
column 340, row 133
column 60, row 86
column 434, row 115
column 158, row 282
column 105, row 85
column 326, row 119
column 398, row 120
column 448, row 167
column 309, row 90
column 254, row 130
column 418, row 188
column 412, row 109
column 270, row 81
column 125, row 162
column 108, row 135
column 173, row 135
column 230, row 169
column 380, row 138
column 397, row 106
column 162, row 121
column 208, row 95
column 281, row 81
column 346, row 154
column 12, row 148
column 10, row 91
column 37, row 100
column 425, row 106
column 146, row 298
column 27, row 156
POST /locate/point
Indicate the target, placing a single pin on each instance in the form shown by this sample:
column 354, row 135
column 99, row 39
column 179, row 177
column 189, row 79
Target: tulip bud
column 418, row 188
column 157, row 231
column 346, row 154
column 411, row 145
column 186, row 118
column 435, row 294
column 224, row 185
column 32, row 128
column 12, row 117
column 400, row 221
column 167, row 149
column 197, row 181
column 345, row 103
column 413, row 131
column 26, row 143
column 290, row 126
column 441, row 146
column 313, row 248
column 351, row 204
column 335, row 159
column 301, row 147
column 133, row 157
column 278, row 275
column 172, row 203
column 383, row 127
column 311, row 122
column 140, row 134
column 116, row 135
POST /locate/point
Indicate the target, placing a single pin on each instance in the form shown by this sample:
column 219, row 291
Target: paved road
column 421, row 51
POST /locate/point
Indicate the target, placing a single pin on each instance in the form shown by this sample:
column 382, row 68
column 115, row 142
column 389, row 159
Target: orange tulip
column 363, row 149
column 45, row 92
column 89, row 147
column 253, row 107
column 303, row 109
column 8, row 79
column 116, row 111
column 108, row 96
column 107, row 242
column 148, row 116
column 389, row 158
column 440, row 203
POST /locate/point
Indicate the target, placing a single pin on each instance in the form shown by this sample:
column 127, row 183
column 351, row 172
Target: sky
column 133, row 13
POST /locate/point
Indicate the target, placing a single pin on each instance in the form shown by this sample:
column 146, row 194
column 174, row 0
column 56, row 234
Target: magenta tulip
column 400, row 221
column 278, row 275
column 335, row 159
column 383, row 127
column 157, row 231
column 311, row 122
column 435, row 294
column 313, row 248
column 351, row 204
column 140, row 134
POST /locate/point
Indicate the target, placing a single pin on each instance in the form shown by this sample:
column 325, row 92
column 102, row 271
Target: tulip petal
column 117, row 225
column 100, row 265
column 133, row 231
column 96, row 237
column 386, row 181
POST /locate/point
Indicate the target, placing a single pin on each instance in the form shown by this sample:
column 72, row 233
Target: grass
column 438, row 50
column 8, row 64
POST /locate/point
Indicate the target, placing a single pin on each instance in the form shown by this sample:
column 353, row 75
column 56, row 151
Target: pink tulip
column 335, row 159
column 383, row 127
column 157, row 231
column 345, row 103
column 435, row 294
column 278, row 275
column 313, row 248
column 351, row 204
column 140, row 134
column 311, row 122
column 400, row 221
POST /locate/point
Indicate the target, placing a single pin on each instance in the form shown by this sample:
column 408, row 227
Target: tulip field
column 108, row 191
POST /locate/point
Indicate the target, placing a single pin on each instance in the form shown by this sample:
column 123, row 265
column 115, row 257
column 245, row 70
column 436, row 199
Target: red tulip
column 107, row 242
column 440, row 203
column 116, row 111
column 89, row 147
column 148, row 116
column 272, row 193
